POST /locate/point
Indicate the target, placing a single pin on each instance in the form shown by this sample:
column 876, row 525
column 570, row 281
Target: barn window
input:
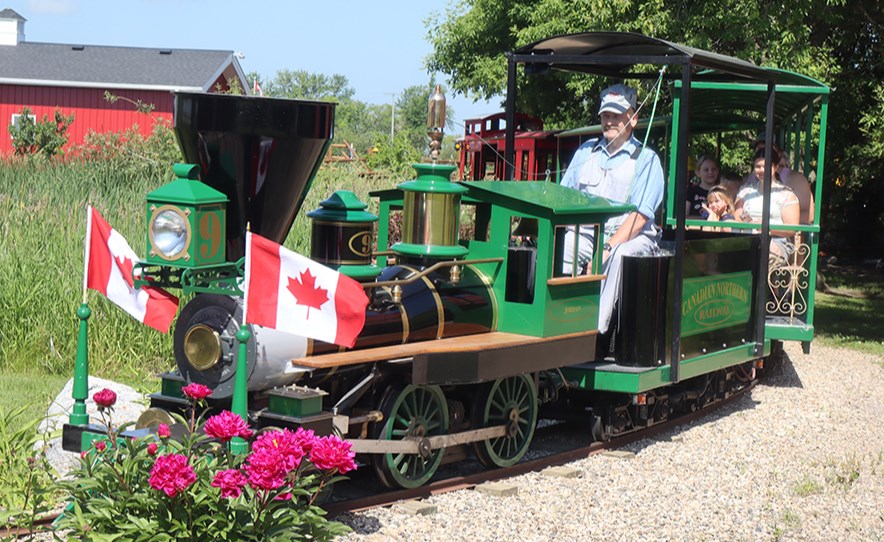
column 16, row 119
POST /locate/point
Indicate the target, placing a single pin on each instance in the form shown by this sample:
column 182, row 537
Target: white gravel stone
column 130, row 404
column 801, row 458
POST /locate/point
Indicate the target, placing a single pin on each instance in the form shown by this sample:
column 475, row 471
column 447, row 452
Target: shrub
column 45, row 137
column 395, row 156
column 25, row 471
column 161, row 488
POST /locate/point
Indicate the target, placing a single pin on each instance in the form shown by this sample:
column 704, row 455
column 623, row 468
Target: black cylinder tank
column 261, row 152
column 432, row 307
column 640, row 335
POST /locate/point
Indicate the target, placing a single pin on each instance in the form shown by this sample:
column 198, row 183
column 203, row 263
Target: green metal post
column 81, row 370
column 241, row 387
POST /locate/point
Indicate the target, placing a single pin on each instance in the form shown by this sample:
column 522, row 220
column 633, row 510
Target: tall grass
column 41, row 266
column 42, row 229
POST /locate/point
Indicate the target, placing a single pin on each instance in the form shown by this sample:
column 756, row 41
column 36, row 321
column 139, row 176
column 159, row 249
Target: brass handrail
column 427, row 271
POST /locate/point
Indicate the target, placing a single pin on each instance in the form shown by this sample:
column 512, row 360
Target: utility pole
column 392, row 113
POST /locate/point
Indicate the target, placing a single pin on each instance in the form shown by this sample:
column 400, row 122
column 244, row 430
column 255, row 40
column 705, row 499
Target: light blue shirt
column 595, row 171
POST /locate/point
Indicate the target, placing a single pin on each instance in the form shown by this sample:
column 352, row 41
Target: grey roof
column 11, row 14
column 113, row 67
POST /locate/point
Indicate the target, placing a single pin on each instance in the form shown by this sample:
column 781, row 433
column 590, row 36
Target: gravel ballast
column 800, row 458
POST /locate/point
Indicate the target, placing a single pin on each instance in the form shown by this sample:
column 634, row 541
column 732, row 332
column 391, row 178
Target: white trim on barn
column 92, row 84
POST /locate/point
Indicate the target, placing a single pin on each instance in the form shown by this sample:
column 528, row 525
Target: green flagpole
column 81, row 369
column 81, row 366
column 240, row 405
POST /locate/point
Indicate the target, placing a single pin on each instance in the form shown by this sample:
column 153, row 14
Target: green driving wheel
column 412, row 412
column 511, row 402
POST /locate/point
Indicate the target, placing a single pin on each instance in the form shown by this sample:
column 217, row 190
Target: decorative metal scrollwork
column 787, row 278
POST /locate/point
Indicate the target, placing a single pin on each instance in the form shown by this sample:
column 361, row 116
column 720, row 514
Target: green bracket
column 223, row 278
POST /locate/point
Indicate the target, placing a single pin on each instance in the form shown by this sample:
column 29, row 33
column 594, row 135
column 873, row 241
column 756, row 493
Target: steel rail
column 468, row 481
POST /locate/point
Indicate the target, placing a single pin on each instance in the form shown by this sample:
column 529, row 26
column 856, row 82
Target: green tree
column 45, row 137
column 301, row 84
column 362, row 124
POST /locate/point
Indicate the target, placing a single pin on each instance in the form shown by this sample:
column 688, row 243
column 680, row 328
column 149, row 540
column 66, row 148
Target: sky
column 379, row 46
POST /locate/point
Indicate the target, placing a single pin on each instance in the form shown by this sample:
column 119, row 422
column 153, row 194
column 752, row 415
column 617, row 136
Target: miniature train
column 467, row 341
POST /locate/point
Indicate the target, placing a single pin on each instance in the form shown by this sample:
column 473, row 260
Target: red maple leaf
column 125, row 266
column 306, row 292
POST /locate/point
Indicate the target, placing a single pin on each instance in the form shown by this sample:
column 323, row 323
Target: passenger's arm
column 801, row 186
column 790, row 213
column 740, row 213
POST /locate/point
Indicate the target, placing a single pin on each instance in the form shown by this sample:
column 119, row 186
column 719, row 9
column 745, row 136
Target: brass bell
column 455, row 274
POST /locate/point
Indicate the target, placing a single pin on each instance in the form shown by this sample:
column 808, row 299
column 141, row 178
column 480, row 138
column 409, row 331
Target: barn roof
column 11, row 14
column 54, row 64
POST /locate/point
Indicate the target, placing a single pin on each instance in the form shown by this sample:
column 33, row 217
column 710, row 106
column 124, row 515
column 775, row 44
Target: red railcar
column 481, row 148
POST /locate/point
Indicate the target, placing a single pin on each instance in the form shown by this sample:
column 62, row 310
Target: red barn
column 74, row 79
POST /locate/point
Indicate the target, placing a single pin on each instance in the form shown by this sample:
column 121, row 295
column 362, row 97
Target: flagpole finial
column 248, row 226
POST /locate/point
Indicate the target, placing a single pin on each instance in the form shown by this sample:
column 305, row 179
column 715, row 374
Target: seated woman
column 783, row 206
column 719, row 207
column 793, row 179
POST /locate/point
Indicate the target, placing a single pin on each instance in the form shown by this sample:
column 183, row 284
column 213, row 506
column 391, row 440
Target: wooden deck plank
column 558, row 281
column 468, row 343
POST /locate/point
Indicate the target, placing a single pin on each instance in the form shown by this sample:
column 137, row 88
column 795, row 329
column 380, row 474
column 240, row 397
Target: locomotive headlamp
column 169, row 232
column 202, row 347
column 186, row 222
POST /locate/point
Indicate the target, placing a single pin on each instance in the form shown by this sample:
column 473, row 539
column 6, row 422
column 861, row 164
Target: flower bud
column 163, row 431
column 105, row 398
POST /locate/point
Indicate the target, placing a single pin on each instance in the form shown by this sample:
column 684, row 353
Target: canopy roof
column 616, row 53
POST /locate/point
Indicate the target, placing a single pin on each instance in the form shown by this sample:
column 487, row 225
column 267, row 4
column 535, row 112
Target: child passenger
column 707, row 171
column 719, row 205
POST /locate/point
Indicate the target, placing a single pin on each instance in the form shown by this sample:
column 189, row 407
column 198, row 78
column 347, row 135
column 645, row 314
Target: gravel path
column 801, row 458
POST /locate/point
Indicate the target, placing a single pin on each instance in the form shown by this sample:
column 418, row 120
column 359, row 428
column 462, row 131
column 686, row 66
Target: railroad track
column 385, row 497
column 374, row 496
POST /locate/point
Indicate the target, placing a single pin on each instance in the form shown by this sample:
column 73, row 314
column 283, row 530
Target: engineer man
column 617, row 167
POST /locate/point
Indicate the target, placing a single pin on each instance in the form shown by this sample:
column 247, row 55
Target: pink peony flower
column 332, row 453
column 152, row 449
column 163, row 431
column 306, row 437
column 100, row 445
column 196, row 391
column 171, row 474
column 265, row 469
column 104, row 398
column 231, row 482
column 226, row 425
column 289, row 445
column 84, row 454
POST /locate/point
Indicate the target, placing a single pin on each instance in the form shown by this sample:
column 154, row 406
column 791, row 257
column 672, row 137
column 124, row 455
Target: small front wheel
column 412, row 412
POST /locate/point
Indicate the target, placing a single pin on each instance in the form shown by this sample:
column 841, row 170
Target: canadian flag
column 256, row 88
column 109, row 263
column 292, row 293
